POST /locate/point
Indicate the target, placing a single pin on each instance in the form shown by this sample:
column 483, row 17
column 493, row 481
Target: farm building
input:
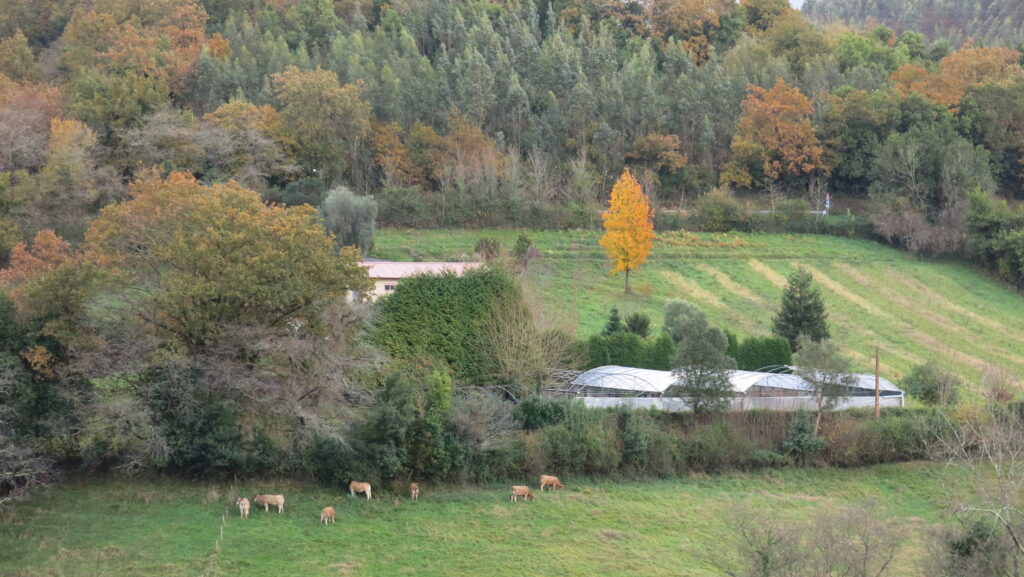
column 613, row 385
column 387, row 274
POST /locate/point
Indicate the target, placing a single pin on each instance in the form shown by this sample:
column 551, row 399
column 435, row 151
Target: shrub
column 303, row 191
column 932, row 384
column 351, row 219
column 718, row 211
column 646, row 448
column 639, row 324
column 801, row 442
column 536, row 412
column 489, row 248
column 443, row 318
column 586, row 442
column 755, row 353
column 716, row 447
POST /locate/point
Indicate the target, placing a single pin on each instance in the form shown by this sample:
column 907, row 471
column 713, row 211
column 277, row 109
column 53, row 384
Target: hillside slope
column 914, row 310
column 995, row 22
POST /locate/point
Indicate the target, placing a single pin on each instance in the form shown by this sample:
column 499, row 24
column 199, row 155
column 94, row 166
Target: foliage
column 628, row 349
column 719, row 211
column 385, row 437
column 614, row 324
column 826, row 371
column 756, row 353
column 349, row 218
column 774, row 137
column 703, row 367
column 488, row 248
column 639, row 324
column 442, row 318
column 213, row 255
column 629, row 230
column 801, row 441
column 932, row 384
column 802, row 311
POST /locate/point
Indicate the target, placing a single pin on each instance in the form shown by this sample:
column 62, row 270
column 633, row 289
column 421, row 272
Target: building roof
column 394, row 270
column 629, row 379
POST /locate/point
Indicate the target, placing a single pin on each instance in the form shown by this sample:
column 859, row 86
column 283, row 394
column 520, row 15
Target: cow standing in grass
column 521, row 491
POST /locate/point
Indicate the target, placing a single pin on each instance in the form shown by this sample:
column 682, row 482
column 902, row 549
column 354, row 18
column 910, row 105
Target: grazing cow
column 521, row 491
column 357, row 487
column 243, row 507
column 327, row 515
column 546, row 480
column 414, row 491
column 267, row 500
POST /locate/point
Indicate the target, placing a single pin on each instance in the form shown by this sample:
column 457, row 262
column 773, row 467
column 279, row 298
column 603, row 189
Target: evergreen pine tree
column 803, row 310
column 614, row 324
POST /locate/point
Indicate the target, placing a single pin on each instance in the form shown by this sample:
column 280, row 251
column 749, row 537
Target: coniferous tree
column 614, row 324
column 803, row 310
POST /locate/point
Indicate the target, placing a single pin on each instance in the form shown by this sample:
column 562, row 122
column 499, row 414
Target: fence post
column 878, row 388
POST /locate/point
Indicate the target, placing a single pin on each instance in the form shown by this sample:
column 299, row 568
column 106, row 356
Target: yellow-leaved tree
column 629, row 230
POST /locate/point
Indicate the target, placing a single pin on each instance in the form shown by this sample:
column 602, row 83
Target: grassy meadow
column 124, row 528
column 915, row 310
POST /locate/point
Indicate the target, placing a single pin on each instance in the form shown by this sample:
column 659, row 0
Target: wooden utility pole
column 878, row 388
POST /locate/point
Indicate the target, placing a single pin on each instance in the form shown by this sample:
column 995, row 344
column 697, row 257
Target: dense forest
column 170, row 170
column 995, row 22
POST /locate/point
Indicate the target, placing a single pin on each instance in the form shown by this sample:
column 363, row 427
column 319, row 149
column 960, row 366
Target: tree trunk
column 627, row 281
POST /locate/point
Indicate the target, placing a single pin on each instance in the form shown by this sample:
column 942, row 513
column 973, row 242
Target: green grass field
column 915, row 310
column 122, row 528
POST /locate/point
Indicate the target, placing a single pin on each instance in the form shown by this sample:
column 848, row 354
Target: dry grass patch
column 691, row 290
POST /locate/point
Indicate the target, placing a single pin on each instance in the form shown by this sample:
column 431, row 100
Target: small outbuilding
column 613, row 385
column 386, row 274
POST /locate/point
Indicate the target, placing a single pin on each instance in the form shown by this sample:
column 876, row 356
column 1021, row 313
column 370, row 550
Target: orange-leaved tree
column 629, row 230
column 774, row 135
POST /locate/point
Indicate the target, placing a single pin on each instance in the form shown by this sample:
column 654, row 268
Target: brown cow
column 243, row 507
column 546, row 480
column 414, row 491
column 521, row 491
column 267, row 500
column 357, row 487
column 327, row 515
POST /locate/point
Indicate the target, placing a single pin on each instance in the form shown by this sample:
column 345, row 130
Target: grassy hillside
column 156, row 529
column 914, row 310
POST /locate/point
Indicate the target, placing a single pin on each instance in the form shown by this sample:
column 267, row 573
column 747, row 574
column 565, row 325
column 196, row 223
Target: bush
column 755, row 353
column 202, row 431
column 716, row 447
column 646, row 448
column 303, row 191
column 488, row 248
column 586, row 442
column 801, row 442
column 536, row 412
column 443, row 319
column 931, row 384
column 639, row 324
column 351, row 219
column 718, row 211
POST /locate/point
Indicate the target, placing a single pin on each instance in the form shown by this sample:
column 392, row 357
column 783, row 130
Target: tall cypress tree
column 803, row 310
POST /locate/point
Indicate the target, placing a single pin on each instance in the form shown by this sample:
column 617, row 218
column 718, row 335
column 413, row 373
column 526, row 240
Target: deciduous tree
column 629, row 230
column 775, row 136
column 195, row 259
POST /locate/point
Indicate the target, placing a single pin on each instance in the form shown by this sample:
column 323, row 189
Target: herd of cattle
column 327, row 513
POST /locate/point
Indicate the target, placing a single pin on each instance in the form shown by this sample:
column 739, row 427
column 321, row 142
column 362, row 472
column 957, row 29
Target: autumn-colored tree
column 958, row 72
column 258, row 140
column 25, row 114
column 390, row 155
column 774, row 135
column 194, row 260
column 629, row 229
column 327, row 121
column 16, row 58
